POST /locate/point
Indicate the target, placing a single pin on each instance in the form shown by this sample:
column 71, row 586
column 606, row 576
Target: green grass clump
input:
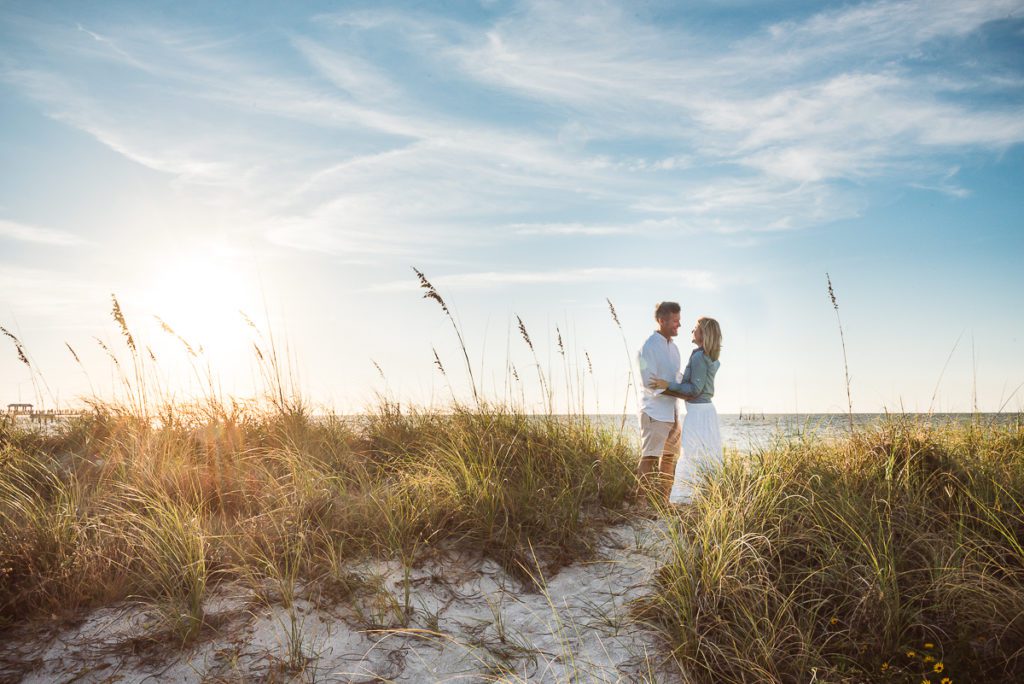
column 895, row 554
column 112, row 506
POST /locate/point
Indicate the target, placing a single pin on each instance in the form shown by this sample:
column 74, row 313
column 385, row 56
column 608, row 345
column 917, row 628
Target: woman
column 702, row 440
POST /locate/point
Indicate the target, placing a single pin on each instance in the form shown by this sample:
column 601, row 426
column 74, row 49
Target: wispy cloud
column 330, row 146
column 50, row 295
column 837, row 95
column 696, row 280
column 23, row 232
column 569, row 229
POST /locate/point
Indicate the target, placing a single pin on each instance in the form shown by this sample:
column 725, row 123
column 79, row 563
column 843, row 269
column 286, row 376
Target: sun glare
column 201, row 297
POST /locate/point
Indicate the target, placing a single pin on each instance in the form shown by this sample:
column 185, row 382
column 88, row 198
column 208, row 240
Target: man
column 659, row 420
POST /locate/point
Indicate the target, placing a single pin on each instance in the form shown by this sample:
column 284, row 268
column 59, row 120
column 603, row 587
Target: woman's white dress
column 702, row 450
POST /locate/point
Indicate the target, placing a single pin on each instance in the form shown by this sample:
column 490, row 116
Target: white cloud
column 357, row 77
column 880, row 29
column 837, row 80
column 48, row 294
column 697, row 280
column 23, row 232
column 568, row 229
column 335, row 154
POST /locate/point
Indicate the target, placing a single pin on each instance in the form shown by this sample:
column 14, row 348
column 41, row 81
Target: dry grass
column 892, row 555
column 113, row 506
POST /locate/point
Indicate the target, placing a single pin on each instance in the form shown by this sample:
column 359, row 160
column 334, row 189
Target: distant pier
column 28, row 412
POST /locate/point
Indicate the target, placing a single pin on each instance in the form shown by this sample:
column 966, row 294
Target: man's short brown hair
column 664, row 309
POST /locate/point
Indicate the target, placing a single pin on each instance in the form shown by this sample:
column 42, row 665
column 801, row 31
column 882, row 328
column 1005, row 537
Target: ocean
column 749, row 433
column 741, row 432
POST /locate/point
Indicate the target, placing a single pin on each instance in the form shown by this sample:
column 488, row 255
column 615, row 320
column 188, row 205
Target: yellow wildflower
column 885, row 666
column 833, row 621
column 929, row 659
column 939, row 667
column 946, row 680
column 911, row 654
column 929, row 645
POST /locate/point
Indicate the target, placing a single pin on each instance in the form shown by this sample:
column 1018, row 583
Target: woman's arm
column 698, row 367
column 657, row 383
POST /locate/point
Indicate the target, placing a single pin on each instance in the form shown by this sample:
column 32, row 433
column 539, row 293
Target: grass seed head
column 17, row 345
column 437, row 362
column 615, row 316
column 524, row 333
column 119, row 317
column 110, row 353
column 431, row 291
column 71, row 349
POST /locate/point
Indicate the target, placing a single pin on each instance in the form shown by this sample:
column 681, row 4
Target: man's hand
column 658, row 383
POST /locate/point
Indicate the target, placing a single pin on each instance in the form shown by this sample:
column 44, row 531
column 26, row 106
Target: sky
column 295, row 162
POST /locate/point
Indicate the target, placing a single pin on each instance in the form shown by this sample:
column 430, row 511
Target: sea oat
column 70, row 349
column 842, row 339
column 164, row 326
column 17, row 345
column 379, row 369
column 615, row 316
column 170, row 331
column 248, row 320
column 432, row 293
column 110, row 353
column 629, row 360
column 540, row 372
column 524, row 333
column 437, row 362
column 119, row 317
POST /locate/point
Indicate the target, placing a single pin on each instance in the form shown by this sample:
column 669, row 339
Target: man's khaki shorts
column 659, row 437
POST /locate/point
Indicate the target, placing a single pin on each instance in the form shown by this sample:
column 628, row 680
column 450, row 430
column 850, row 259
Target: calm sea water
column 749, row 433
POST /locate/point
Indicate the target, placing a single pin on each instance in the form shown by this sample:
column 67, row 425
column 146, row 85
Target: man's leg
column 645, row 475
column 667, row 468
column 653, row 435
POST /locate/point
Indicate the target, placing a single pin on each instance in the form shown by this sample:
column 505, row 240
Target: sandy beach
column 468, row 620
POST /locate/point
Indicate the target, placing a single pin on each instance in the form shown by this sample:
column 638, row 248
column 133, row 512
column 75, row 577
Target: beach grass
column 892, row 554
column 110, row 506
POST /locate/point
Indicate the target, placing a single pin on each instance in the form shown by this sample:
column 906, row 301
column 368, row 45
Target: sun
column 201, row 295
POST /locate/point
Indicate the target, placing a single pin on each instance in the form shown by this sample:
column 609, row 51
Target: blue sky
column 296, row 160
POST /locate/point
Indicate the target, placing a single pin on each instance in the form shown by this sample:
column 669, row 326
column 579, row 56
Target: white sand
column 469, row 621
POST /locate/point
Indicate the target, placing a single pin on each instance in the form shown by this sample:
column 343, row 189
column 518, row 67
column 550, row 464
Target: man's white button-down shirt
column 659, row 357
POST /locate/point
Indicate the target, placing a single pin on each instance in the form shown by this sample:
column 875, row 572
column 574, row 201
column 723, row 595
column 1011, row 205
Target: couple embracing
column 663, row 472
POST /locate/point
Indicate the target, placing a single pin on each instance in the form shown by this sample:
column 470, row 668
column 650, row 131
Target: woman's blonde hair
column 711, row 335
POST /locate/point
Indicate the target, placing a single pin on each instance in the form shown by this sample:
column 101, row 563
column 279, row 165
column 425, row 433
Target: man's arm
column 647, row 364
